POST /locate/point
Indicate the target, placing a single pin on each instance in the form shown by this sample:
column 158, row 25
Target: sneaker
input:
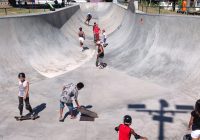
column 61, row 119
column 101, row 67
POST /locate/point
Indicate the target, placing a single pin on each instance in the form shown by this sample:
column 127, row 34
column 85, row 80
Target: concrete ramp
column 152, row 74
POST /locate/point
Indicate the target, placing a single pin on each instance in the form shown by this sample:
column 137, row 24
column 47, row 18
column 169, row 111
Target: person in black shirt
column 194, row 123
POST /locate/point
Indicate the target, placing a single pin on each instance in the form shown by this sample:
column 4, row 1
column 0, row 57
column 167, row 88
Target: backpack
column 67, row 93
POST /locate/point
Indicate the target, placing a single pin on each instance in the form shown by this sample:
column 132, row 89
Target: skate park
column 152, row 72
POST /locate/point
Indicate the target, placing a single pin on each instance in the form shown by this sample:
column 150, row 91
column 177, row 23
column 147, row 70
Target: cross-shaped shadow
column 160, row 114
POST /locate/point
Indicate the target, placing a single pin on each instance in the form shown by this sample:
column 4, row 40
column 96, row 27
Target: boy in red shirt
column 96, row 31
column 125, row 131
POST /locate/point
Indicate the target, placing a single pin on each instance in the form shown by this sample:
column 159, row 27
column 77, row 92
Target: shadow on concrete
column 76, row 112
column 160, row 114
column 39, row 108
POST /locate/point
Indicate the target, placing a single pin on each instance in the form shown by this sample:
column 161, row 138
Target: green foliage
column 180, row 2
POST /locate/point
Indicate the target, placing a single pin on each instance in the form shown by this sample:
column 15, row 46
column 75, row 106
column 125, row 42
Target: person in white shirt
column 104, row 38
column 23, row 94
column 69, row 93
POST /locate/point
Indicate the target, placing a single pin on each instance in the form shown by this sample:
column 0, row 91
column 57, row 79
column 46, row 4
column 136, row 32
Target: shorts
column 81, row 39
column 104, row 41
column 195, row 134
column 69, row 105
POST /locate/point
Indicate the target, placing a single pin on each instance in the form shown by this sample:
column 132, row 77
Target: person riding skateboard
column 70, row 92
column 125, row 130
column 100, row 55
column 194, row 123
column 23, row 94
column 88, row 18
column 81, row 35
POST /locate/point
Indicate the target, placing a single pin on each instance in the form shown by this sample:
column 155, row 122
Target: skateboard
column 27, row 117
column 105, row 45
column 85, row 48
column 86, row 112
column 187, row 137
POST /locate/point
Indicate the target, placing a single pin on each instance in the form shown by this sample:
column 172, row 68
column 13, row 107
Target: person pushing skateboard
column 125, row 131
column 23, row 94
column 70, row 92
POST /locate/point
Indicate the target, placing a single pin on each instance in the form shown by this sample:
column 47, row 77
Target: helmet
column 127, row 119
column 21, row 75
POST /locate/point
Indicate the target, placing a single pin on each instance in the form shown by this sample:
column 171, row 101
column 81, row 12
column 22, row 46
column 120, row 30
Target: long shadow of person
column 39, row 108
column 76, row 112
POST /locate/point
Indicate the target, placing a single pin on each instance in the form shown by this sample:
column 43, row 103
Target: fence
column 168, row 10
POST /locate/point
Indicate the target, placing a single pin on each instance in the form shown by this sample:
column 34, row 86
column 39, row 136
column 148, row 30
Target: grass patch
column 18, row 11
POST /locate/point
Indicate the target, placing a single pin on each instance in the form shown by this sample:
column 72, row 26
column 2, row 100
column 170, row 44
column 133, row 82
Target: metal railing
column 168, row 10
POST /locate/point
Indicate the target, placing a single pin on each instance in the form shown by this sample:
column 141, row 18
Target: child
column 23, row 94
column 81, row 35
column 194, row 122
column 69, row 93
column 104, row 37
column 125, row 131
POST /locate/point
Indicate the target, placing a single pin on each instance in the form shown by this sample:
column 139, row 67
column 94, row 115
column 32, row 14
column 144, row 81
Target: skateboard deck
column 87, row 112
column 27, row 117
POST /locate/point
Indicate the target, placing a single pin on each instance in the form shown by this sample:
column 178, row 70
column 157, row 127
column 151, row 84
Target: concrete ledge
column 55, row 18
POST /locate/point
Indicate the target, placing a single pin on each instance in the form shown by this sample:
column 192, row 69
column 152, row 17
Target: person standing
column 100, row 55
column 23, row 94
column 194, row 123
column 81, row 35
column 104, row 38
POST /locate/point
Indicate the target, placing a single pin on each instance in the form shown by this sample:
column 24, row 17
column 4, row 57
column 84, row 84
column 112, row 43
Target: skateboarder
column 88, row 18
column 23, row 94
column 69, row 92
column 81, row 35
column 100, row 55
column 194, row 123
column 125, row 131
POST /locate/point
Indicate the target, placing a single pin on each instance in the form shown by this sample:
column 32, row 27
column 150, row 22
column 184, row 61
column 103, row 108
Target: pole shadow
column 160, row 114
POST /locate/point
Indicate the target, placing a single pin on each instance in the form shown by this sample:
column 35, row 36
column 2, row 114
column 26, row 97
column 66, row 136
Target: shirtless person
column 81, row 35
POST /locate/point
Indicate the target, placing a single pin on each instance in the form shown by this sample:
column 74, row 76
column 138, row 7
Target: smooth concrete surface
column 153, row 62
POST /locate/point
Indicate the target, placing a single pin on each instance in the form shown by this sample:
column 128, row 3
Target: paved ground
column 152, row 63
